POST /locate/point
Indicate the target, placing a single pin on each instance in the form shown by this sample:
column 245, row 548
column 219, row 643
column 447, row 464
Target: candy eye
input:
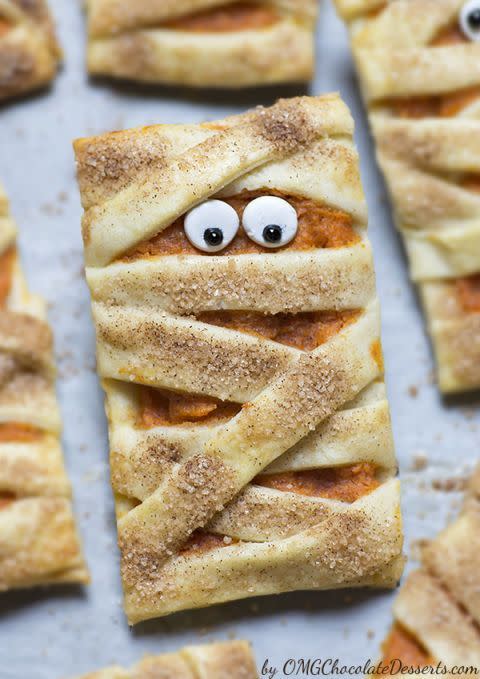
column 270, row 221
column 211, row 226
column 470, row 20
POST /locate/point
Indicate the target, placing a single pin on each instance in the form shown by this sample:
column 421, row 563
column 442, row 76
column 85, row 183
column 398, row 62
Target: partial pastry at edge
column 418, row 64
column 29, row 51
column 232, row 659
column 203, row 43
column 437, row 613
column 38, row 538
column 238, row 344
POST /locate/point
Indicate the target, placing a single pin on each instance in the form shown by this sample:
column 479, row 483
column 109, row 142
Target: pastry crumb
column 450, row 484
column 419, row 462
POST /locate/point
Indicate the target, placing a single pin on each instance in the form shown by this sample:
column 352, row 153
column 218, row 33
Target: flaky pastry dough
column 227, row 660
column 38, row 539
column 208, row 510
column 439, row 605
column 29, row 51
column 203, row 43
column 420, row 77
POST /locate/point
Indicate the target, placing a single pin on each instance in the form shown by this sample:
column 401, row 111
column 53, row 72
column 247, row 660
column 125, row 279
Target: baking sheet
column 61, row 632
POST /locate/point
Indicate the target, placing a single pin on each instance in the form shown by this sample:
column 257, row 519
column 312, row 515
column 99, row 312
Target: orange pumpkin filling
column 17, row 432
column 5, row 26
column 471, row 182
column 442, row 105
column 159, row 407
column 401, row 645
column 319, row 226
column 451, row 35
column 6, row 499
column 377, row 353
column 6, row 270
column 236, row 17
column 436, row 106
column 305, row 331
column 468, row 293
column 346, row 484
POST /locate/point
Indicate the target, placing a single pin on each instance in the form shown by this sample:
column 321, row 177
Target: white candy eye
column 270, row 221
column 211, row 226
column 470, row 20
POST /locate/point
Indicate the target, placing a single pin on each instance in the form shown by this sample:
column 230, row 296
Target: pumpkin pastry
column 437, row 613
column 419, row 68
column 29, row 52
column 203, row 43
column 226, row 660
column 38, row 539
column 238, row 343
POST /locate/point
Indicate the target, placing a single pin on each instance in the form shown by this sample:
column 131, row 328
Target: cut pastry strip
column 426, row 123
column 249, row 428
column 29, row 51
column 39, row 543
column 232, row 659
column 437, row 613
column 203, row 43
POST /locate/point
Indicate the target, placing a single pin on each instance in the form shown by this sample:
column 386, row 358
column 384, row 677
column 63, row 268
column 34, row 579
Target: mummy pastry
column 418, row 63
column 29, row 52
column 238, row 344
column 38, row 539
column 437, row 612
column 228, row 660
column 203, row 43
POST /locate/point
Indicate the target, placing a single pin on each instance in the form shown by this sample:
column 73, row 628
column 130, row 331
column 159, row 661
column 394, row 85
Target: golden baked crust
column 420, row 78
column 296, row 410
column 38, row 539
column 29, row 51
column 227, row 660
column 147, row 41
column 439, row 604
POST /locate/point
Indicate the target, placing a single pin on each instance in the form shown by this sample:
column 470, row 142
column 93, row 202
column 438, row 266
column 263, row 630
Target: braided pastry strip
column 420, row 78
column 29, row 51
column 232, row 659
column 38, row 539
column 438, row 608
column 291, row 411
column 203, row 43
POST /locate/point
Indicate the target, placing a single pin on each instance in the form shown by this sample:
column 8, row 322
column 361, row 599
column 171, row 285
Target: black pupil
column 474, row 19
column 213, row 236
column 272, row 233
